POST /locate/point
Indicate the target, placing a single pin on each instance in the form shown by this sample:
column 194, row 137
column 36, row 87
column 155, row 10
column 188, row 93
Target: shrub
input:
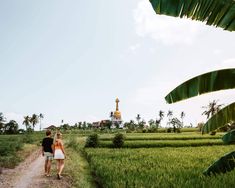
column 118, row 140
column 92, row 141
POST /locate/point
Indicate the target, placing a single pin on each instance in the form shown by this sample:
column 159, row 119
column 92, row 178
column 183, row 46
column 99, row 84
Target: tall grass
column 158, row 167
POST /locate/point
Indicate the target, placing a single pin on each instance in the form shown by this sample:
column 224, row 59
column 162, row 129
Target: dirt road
column 30, row 174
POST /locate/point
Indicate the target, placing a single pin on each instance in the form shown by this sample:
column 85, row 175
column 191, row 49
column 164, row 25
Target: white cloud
column 165, row 29
column 217, row 51
column 227, row 63
column 134, row 47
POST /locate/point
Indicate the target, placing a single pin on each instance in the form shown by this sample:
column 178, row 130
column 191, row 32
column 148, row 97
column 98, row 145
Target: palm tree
column 182, row 115
column 34, row 120
column 169, row 115
column 27, row 122
column 212, row 109
column 41, row 116
column 161, row 115
column 138, row 118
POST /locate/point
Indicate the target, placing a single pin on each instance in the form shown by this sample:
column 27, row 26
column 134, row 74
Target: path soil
column 30, row 174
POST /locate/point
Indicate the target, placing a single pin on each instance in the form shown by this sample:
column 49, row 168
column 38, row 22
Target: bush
column 92, row 141
column 118, row 140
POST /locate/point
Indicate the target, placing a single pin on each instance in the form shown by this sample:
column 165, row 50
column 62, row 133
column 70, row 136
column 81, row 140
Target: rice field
column 159, row 160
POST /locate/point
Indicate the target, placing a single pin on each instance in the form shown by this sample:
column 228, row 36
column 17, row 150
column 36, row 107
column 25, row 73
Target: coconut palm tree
column 212, row 109
column 182, row 115
column 138, row 118
column 161, row 116
column 27, row 122
column 169, row 115
column 41, row 116
column 34, row 120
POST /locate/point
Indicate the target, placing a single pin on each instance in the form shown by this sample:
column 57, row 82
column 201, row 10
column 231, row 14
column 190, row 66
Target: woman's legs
column 61, row 166
column 58, row 165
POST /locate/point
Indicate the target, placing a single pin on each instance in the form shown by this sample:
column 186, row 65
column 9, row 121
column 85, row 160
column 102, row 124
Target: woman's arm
column 62, row 147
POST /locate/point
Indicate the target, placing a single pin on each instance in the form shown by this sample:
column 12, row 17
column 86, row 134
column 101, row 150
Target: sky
column 69, row 60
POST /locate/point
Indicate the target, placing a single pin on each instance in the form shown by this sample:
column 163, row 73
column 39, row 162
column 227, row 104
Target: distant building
column 51, row 127
column 116, row 117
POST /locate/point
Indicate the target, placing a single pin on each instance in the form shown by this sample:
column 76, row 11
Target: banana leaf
column 221, row 118
column 229, row 137
column 219, row 13
column 222, row 165
column 208, row 82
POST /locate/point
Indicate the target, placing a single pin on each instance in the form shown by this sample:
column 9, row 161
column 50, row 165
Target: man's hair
column 48, row 132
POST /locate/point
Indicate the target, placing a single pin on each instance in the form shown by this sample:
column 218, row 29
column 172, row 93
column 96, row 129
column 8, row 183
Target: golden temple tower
column 117, row 113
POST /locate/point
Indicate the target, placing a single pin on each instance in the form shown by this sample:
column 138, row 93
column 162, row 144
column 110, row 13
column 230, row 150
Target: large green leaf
column 229, row 137
column 209, row 82
column 223, row 165
column 220, row 13
column 221, row 118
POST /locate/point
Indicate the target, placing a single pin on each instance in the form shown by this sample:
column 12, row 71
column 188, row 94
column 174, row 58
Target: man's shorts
column 48, row 156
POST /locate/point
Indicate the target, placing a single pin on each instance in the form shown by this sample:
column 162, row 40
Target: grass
column 77, row 167
column 15, row 148
column 158, row 167
column 164, row 143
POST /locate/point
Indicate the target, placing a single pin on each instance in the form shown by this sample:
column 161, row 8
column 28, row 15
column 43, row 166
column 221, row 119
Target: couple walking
column 53, row 148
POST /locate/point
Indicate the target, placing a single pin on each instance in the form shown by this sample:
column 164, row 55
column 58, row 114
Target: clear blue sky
column 70, row 59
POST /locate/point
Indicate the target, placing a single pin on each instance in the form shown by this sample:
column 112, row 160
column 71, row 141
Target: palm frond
column 221, row 118
column 219, row 13
column 229, row 137
column 222, row 165
column 208, row 82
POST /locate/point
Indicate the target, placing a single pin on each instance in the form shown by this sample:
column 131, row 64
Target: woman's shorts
column 48, row 155
column 58, row 154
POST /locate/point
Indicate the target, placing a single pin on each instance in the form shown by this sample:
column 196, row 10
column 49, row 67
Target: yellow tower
column 117, row 113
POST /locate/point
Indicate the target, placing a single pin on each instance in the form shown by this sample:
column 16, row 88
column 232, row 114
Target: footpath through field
column 30, row 173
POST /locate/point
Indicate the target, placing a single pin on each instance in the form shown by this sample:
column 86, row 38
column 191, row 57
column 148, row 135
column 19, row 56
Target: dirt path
column 30, row 174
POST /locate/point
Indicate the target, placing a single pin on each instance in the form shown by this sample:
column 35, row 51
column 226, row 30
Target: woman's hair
column 58, row 135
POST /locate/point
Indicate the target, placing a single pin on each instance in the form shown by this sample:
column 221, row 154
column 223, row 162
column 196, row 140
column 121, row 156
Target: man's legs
column 48, row 167
column 45, row 166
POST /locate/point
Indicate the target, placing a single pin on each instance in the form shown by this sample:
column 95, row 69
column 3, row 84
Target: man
column 47, row 151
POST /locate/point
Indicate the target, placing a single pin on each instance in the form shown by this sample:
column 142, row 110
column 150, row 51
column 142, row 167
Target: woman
column 59, row 154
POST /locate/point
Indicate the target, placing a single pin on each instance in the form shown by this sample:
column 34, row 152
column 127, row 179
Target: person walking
column 59, row 154
column 47, row 152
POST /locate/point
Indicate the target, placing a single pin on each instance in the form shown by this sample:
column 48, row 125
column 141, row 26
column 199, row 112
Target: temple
column 116, row 117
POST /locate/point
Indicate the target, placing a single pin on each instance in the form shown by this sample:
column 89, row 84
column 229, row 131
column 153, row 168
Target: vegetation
column 92, row 140
column 219, row 13
column 118, row 140
column 161, row 167
column 11, row 147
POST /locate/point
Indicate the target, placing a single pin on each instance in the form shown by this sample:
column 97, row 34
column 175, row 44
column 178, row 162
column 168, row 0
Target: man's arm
column 43, row 148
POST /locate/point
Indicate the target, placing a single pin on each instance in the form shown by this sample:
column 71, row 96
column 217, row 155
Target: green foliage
column 205, row 83
column 72, row 143
column 157, row 167
column 223, row 117
column 164, row 143
column 222, row 165
column 118, row 140
column 219, row 13
column 92, row 140
column 229, row 137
